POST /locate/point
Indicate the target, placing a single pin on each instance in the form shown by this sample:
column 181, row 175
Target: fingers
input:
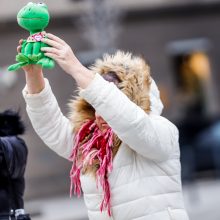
column 19, row 45
column 52, row 56
column 51, row 50
column 55, row 38
column 52, row 43
column 19, row 49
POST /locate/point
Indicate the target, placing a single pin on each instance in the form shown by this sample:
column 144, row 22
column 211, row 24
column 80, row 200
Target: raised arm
column 44, row 113
column 48, row 121
column 149, row 135
column 34, row 76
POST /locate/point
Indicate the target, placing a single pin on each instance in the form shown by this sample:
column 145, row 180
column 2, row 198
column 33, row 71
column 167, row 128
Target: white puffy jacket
column 145, row 181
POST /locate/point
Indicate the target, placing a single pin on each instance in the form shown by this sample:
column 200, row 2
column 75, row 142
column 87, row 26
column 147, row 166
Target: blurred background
column 180, row 41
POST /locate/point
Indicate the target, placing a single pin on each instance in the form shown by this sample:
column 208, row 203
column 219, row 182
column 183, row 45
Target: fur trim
column 134, row 74
column 11, row 123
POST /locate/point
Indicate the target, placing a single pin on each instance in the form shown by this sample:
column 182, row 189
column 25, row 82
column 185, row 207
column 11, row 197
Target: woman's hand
column 62, row 53
column 29, row 69
column 34, row 76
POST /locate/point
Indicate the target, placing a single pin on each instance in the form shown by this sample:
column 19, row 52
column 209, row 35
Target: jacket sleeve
column 48, row 121
column 150, row 135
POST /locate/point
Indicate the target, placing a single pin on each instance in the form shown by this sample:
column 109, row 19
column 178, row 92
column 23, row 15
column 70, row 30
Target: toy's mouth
column 23, row 18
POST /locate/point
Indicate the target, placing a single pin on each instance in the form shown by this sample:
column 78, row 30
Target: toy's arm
column 20, row 58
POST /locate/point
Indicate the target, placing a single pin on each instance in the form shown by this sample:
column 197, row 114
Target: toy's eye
column 41, row 4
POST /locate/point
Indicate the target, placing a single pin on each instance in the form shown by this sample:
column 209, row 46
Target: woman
column 125, row 155
column 13, row 158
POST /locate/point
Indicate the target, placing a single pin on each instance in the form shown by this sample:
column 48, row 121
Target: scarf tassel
column 75, row 181
column 98, row 146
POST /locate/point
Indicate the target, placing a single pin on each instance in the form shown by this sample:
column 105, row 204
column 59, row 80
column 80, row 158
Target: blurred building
column 180, row 40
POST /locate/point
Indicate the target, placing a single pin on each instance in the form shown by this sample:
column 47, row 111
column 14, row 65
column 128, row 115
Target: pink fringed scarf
column 99, row 146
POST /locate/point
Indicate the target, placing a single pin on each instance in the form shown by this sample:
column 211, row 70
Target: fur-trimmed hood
column 136, row 83
column 11, row 124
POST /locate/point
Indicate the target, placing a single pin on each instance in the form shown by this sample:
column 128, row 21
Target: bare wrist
column 83, row 76
column 35, row 82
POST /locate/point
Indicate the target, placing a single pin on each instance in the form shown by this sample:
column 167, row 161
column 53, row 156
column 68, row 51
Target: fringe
column 99, row 146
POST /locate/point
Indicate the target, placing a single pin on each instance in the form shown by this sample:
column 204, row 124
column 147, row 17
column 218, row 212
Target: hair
column 11, row 123
column 112, row 76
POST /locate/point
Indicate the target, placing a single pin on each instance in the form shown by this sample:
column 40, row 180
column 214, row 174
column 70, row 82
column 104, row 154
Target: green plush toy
column 33, row 17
